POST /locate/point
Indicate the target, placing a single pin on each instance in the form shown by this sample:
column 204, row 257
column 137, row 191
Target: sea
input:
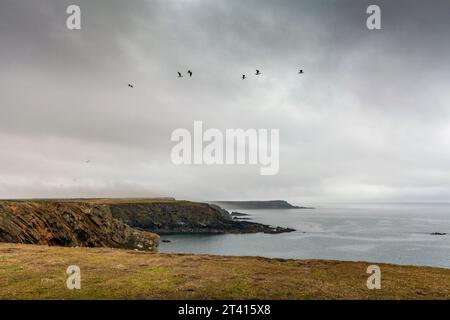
column 398, row 233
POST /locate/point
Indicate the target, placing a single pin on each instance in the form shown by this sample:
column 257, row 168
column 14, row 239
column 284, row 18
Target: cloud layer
column 368, row 121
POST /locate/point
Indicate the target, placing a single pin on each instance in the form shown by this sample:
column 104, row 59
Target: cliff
column 116, row 223
column 63, row 223
column 184, row 217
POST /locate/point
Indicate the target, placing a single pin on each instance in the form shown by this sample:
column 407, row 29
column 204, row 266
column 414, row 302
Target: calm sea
column 392, row 233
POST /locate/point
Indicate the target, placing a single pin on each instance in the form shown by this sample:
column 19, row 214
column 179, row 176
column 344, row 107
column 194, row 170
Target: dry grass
column 38, row 272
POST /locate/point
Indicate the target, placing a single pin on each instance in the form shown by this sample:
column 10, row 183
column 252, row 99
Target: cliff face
column 64, row 223
column 185, row 217
column 117, row 223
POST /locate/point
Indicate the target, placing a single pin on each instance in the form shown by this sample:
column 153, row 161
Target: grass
column 38, row 272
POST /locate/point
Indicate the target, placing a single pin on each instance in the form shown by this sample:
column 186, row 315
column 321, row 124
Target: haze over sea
column 397, row 233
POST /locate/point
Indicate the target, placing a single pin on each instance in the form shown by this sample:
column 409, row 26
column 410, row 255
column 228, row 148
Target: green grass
column 38, row 272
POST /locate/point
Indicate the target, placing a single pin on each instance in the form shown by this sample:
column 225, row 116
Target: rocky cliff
column 118, row 223
column 184, row 217
column 65, row 223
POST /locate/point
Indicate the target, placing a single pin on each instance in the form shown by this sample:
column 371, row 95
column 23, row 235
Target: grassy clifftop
column 38, row 272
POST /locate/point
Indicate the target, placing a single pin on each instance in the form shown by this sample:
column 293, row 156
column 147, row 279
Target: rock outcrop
column 165, row 217
column 65, row 223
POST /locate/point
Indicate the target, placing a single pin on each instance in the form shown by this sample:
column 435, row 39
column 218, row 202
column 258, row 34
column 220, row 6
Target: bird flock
column 189, row 72
column 244, row 76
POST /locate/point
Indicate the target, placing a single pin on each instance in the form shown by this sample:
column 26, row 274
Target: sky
column 367, row 121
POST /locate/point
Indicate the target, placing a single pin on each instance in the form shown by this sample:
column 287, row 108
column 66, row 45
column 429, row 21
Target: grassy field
column 38, row 272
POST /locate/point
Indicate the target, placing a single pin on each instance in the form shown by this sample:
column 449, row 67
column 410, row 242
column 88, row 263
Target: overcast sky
column 368, row 121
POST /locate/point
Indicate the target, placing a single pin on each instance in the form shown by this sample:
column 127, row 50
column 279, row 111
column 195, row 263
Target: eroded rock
column 70, row 224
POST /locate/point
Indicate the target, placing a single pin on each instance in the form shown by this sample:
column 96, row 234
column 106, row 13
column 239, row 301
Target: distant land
column 269, row 204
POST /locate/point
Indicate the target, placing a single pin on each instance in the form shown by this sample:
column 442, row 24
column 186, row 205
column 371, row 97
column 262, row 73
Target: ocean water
column 391, row 233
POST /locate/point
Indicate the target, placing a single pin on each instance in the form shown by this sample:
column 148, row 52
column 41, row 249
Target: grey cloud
column 367, row 121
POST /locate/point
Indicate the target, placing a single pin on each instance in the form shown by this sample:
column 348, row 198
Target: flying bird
column 130, row 85
column 257, row 72
column 180, row 75
column 244, row 76
column 190, row 73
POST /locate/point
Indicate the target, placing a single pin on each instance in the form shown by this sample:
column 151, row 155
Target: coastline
column 119, row 223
